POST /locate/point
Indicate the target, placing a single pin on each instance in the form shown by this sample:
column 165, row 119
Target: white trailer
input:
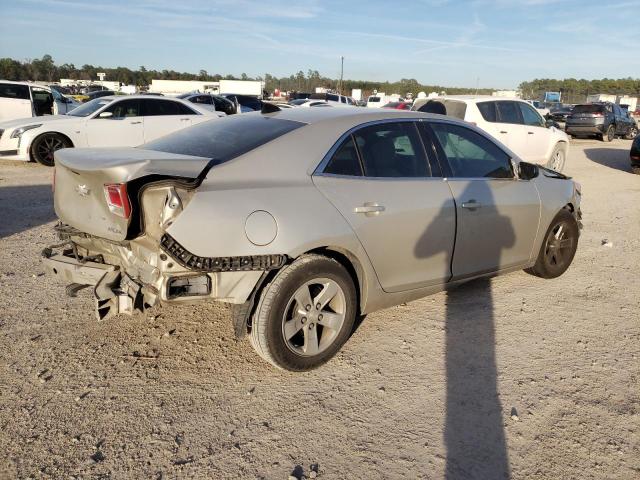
column 601, row 97
column 356, row 94
column 242, row 87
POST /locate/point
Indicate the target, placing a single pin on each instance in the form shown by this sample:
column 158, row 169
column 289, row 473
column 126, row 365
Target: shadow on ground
column 615, row 158
column 25, row 207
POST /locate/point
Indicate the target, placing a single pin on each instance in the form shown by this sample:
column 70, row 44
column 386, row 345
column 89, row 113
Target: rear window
column 588, row 109
column 10, row 90
column 225, row 138
column 374, row 99
column 455, row 109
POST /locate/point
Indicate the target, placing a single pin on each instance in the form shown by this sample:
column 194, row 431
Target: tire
column 610, row 134
column 554, row 259
column 632, row 133
column 280, row 314
column 558, row 158
column 44, row 146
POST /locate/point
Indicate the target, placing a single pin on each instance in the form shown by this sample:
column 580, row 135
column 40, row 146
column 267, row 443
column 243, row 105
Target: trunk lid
column 82, row 173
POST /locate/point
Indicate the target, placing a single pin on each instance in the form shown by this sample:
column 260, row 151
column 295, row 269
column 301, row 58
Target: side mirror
column 105, row 115
column 527, row 171
column 551, row 123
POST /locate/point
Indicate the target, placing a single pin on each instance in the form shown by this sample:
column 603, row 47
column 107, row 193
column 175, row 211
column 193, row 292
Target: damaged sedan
column 305, row 219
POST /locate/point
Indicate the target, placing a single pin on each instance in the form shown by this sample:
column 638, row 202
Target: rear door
column 497, row 215
column 124, row 128
column 382, row 184
column 15, row 101
column 162, row 117
column 538, row 135
column 512, row 129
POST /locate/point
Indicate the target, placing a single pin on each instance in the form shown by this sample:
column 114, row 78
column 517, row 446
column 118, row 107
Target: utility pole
column 341, row 74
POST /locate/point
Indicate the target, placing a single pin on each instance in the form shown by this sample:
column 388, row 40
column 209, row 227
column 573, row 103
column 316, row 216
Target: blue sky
column 446, row 42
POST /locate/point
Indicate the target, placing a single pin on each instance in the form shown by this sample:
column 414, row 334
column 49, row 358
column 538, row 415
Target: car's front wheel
column 558, row 158
column 558, row 247
column 305, row 314
column 44, row 147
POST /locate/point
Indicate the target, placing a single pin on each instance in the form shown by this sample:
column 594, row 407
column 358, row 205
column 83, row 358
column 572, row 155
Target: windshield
column 224, row 139
column 88, row 108
column 374, row 99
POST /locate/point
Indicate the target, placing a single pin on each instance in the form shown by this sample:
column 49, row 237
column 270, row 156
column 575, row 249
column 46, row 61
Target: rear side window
column 488, row 111
column 508, row 112
column 391, row 150
column 345, row 161
column 470, row 155
column 11, row 90
column 224, row 139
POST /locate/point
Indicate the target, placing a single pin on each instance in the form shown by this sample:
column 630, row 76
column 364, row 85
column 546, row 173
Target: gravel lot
column 516, row 377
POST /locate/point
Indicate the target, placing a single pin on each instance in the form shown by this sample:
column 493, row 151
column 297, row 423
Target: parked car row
column 390, row 206
column 113, row 121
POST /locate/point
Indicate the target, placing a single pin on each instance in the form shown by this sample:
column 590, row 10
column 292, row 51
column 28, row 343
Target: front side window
column 124, row 109
column 508, row 112
column 470, row 155
column 152, row 108
column 530, row 116
column 391, row 150
column 345, row 161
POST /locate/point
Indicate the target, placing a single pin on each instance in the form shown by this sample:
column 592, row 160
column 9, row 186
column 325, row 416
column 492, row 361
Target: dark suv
column 603, row 120
column 635, row 155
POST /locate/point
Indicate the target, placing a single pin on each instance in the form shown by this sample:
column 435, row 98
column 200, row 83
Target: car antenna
column 269, row 108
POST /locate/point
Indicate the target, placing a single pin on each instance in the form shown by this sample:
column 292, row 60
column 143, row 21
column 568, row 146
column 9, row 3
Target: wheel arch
column 33, row 140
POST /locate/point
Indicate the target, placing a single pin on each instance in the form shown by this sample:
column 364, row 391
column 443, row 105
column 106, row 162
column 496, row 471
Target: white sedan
column 116, row 121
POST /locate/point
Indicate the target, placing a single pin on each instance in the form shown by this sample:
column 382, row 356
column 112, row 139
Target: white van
column 24, row 99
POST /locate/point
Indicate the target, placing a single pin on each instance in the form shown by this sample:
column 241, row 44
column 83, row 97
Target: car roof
column 355, row 114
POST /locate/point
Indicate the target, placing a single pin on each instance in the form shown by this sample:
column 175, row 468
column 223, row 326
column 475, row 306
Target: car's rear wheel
column 632, row 133
column 610, row 134
column 558, row 158
column 558, row 247
column 305, row 314
column 44, row 147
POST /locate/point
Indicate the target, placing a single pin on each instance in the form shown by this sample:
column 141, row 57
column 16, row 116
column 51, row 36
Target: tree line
column 45, row 69
column 575, row 91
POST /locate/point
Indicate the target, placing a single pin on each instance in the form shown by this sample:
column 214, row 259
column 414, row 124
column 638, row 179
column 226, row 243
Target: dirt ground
column 516, row 377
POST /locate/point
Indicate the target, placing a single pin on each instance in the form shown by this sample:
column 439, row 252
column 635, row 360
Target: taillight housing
column 117, row 199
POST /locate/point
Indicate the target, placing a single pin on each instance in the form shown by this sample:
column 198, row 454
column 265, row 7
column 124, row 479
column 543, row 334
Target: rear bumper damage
column 133, row 276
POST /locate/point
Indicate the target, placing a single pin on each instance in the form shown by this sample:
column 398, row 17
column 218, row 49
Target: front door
column 497, row 215
column 512, row 132
column 162, row 117
column 124, row 128
column 380, row 181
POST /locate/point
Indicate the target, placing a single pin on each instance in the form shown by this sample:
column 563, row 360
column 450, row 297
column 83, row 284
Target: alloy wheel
column 48, row 146
column 314, row 316
column 559, row 246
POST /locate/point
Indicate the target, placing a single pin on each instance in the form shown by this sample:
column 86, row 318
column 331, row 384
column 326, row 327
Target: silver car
column 304, row 219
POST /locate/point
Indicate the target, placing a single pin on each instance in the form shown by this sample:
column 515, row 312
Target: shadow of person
column 473, row 434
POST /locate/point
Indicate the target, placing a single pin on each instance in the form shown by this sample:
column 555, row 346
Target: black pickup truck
column 602, row 120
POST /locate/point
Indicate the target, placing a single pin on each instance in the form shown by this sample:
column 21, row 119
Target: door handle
column 369, row 209
column 503, row 131
column 184, row 119
column 471, row 204
column 531, row 133
column 136, row 123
